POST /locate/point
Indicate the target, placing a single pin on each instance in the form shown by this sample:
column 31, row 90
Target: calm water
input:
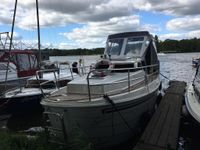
column 173, row 66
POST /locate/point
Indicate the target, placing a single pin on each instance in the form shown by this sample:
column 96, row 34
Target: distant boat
column 192, row 97
column 23, row 65
column 108, row 104
column 195, row 61
column 161, row 54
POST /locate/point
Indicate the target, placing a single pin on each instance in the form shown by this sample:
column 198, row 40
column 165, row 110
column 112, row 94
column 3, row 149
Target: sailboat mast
column 38, row 32
column 11, row 39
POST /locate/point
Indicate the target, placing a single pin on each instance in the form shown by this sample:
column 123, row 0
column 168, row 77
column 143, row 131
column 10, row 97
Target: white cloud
column 67, row 46
column 94, row 34
column 184, row 24
column 180, row 36
column 102, row 17
column 63, row 12
column 175, row 36
column 173, row 7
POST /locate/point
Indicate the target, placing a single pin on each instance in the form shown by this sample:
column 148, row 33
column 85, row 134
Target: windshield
column 114, row 46
column 134, row 46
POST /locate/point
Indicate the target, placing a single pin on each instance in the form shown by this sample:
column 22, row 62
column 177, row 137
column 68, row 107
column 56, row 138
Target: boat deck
column 61, row 95
column 162, row 131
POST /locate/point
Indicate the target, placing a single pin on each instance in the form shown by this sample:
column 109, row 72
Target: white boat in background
column 27, row 98
column 192, row 99
column 195, row 62
column 161, row 54
column 108, row 103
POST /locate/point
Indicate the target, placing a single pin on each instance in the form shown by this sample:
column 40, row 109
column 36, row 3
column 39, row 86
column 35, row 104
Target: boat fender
column 135, row 64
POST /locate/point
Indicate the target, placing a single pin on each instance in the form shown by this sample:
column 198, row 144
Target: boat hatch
column 45, row 84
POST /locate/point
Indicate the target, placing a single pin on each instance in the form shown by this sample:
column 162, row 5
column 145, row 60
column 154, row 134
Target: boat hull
column 192, row 103
column 105, row 126
column 24, row 104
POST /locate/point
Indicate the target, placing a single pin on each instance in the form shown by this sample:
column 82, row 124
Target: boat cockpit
column 128, row 52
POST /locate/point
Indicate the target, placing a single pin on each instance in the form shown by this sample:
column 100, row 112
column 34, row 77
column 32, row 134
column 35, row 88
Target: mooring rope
column 107, row 98
column 164, row 76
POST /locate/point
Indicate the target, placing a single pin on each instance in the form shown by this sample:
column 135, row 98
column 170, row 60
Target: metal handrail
column 40, row 72
column 121, row 69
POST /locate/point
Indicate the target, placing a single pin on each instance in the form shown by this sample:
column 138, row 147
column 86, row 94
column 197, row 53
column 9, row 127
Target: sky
column 69, row 24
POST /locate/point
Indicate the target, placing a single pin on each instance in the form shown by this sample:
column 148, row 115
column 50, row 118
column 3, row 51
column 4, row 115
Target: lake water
column 173, row 66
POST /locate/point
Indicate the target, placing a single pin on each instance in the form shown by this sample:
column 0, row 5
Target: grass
column 79, row 141
column 20, row 141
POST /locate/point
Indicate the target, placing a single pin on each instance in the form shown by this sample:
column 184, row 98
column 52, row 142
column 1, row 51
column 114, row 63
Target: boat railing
column 150, row 73
column 56, row 72
column 18, row 83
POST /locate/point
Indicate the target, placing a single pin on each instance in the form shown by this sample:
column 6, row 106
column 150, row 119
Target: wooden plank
column 156, row 132
column 168, row 123
column 176, row 87
column 162, row 130
column 144, row 146
column 148, row 132
column 172, row 140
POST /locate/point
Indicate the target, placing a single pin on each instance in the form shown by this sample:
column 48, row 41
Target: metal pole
column 88, row 84
column 38, row 31
column 129, row 81
column 11, row 38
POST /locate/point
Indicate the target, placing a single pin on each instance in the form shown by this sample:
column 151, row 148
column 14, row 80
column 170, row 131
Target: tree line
column 78, row 51
column 166, row 46
column 178, row 46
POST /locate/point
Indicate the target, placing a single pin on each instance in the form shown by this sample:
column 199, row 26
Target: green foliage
column 19, row 141
column 79, row 51
column 182, row 46
column 169, row 45
column 13, row 141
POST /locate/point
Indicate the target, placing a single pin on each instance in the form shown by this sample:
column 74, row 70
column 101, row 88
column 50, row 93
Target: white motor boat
column 108, row 103
column 192, row 97
column 28, row 97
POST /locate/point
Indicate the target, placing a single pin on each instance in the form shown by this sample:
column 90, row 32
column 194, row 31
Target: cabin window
column 33, row 61
column 23, row 62
column 134, row 46
column 114, row 46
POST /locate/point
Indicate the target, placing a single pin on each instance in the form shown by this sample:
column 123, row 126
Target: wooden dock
column 162, row 130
